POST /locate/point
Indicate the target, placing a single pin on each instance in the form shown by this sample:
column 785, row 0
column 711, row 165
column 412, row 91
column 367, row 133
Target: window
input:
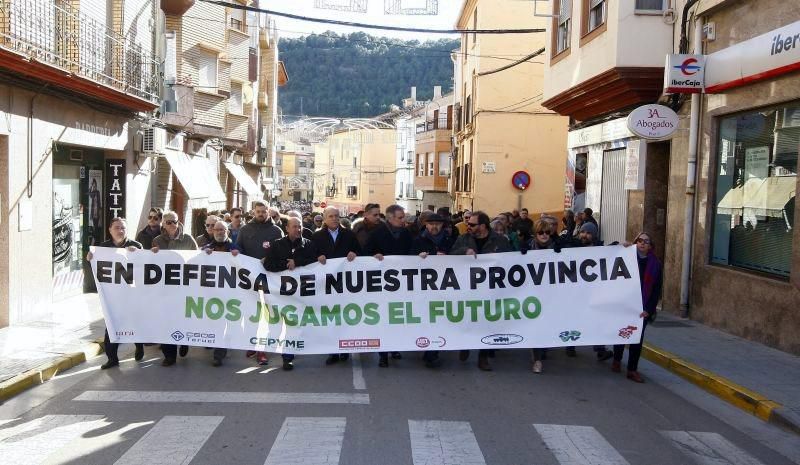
column 352, row 191
column 237, row 19
column 235, row 100
column 597, row 14
column 430, row 164
column 563, row 29
column 444, row 163
column 207, row 67
column 402, row 190
column 650, row 5
column 301, row 163
column 420, row 164
column 468, row 117
column 756, row 178
column 475, row 27
column 355, row 162
column 410, row 191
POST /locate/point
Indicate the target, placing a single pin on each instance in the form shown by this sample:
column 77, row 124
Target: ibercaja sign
column 684, row 74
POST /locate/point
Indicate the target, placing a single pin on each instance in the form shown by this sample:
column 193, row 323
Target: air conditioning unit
column 152, row 141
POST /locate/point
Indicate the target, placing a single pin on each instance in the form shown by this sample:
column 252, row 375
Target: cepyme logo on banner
column 684, row 74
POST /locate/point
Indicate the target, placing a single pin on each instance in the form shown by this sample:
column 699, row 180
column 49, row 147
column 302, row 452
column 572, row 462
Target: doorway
column 656, row 193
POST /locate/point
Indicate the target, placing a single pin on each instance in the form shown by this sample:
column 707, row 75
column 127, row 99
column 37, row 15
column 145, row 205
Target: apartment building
column 501, row 130
column 434, row 151
column 719, row 196
column 73, row 75
column 296, row 162
column 354, row 167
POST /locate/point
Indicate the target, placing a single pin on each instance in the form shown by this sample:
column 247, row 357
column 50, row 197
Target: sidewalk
column 754, row 377
column 31, row 353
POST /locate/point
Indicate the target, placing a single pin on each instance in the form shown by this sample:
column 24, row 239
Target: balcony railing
column 54, row 33
column 441, row 123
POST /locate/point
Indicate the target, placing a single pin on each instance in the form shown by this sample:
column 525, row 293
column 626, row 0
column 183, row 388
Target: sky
column 448, row 13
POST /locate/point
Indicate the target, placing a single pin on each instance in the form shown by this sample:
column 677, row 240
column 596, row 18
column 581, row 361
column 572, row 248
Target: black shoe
column 139, row 354
column 571, row 352
column 332, row 359
column 384, row 362
column 463, row 355
column 168, row 362
column 183, row 351
column 397, row 356
column 216, row 363
column 344, row 357
column 109, row 364
column 435, row 363
column 604, row 355
column 288, row 365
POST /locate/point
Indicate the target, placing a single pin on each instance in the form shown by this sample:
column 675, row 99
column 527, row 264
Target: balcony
column 50, row 42
column 436, row 124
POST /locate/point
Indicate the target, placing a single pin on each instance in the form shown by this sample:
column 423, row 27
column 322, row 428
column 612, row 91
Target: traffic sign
column 521, row 180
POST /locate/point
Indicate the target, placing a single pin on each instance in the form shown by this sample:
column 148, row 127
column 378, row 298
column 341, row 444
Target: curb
column 44, row 372
column 748, row 400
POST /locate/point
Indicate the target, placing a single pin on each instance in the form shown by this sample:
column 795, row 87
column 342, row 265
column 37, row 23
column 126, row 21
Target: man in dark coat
column 208, row 234
column 288, row 253
column 368, row 224
column 480, row 239
column 119, row 240
column 152, row 230
column 390, row 238
column 220, row 242
column 433, row 240
column 333, row 241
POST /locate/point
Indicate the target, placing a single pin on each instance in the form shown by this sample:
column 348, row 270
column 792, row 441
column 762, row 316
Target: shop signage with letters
column 115, row 189
column 653, row 122
column 684, row 74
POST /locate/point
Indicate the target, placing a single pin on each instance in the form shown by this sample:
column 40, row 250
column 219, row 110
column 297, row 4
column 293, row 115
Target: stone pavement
column 67, row 328
column 771, row 373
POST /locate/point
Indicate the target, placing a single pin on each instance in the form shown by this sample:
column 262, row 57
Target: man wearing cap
column 433, row 240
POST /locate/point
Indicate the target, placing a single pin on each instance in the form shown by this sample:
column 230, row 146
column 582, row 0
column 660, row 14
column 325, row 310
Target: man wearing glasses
column 479, row 239
column 152, row 230
column 208, row 236
column 236, row 223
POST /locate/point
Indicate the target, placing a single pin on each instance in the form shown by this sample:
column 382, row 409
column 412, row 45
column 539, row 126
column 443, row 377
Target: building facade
column 500, row 126
column 296, row 174
column 721, row 210
column 434, row 151
column 355, row 167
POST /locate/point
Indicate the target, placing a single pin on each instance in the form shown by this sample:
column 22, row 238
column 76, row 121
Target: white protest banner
column 541, row 299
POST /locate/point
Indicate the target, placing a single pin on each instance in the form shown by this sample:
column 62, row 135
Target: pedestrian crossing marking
column 359, row 383
column 31, row 443
column 308, row 441
column 247, row 370
column 269, row 370
column 174, row 440
column 579, row 445
column 224, row 397
column 709, row 448
column 444, row 443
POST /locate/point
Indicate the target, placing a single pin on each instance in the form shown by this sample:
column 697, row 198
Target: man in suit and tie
column 333, row 241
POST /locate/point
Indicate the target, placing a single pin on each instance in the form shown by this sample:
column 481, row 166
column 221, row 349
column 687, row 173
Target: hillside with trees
column 358, row 75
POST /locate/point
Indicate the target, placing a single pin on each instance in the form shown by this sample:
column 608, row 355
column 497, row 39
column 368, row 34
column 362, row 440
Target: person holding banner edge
column 118, row 229
column 172, row 237
column 480, row 239
column 651, row 280
column 333, row 241
column 288, row 253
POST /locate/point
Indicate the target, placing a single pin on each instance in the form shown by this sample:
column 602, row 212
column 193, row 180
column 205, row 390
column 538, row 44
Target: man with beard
column 390, row 238
column 254, row 239
column 364, row 227
column 333, row 241
column 172, row 238
column 208, row 235
column 288, row 253
column 480, row 239
column 152, row 230
column 433, row 240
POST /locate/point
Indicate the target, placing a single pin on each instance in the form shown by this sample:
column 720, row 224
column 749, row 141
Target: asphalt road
column 355, row 413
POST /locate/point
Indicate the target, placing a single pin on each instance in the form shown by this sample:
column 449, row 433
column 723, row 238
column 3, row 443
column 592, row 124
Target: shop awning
column 197, row 176
column 760, row 197
column 245, row 181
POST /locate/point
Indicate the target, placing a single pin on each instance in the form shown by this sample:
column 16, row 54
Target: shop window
column 756, row 179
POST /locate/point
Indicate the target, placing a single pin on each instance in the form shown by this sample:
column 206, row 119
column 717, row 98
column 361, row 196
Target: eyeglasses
column 543, row 233
column 473, row 225
column 210, row 225
column 644, row 241
column 170, row 222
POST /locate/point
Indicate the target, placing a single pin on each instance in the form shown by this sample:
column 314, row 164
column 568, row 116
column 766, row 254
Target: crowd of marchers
column 286, row 240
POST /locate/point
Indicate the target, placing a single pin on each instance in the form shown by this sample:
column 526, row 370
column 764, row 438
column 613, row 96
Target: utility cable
column 237, row 6
column 511, row 65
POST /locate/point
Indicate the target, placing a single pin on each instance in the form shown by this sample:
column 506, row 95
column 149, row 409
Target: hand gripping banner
column 580, row 296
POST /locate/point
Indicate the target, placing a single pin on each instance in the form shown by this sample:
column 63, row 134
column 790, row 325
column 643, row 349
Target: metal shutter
column 614, row 197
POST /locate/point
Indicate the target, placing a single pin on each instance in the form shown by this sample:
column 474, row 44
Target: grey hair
column 171, row 214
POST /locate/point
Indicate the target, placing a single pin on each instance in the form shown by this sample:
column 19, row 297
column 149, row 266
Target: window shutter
column 564, row 10
column 594, row 3
column 657, row 5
